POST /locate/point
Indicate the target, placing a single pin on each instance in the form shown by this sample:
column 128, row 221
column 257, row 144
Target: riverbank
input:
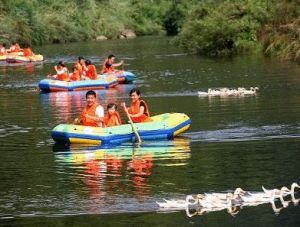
column 214, row 28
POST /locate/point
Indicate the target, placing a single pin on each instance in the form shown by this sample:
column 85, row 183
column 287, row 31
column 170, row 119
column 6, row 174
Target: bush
column 222, row 29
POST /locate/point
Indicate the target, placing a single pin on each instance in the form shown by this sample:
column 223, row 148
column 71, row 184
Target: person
column 90, row 70
column 109, row 64
column 62, row 72
column 3, row 49
column 27, row 51
column 112, row 117
column 75, row 76
column 14, row 48
column 79, row 65
column 138, row 110
column 93, row 113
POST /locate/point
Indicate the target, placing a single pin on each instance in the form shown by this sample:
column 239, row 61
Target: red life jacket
column 91, row 72
column 90, row 110
column 79, row 68
column 135, row 108
column 112, row 120
column 75, row 76
column 106, row 69
column 27, row 52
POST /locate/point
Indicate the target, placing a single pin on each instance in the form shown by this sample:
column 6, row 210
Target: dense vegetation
column 234, row 26
column 210, row 27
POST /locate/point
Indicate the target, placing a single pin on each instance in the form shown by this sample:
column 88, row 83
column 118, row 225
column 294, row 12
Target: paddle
column 139, row 140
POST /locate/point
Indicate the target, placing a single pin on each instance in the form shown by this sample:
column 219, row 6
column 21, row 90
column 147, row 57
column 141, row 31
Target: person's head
column 90, row 97
column 111, row 108
column 74, row 69
column 81, row 59
column 134, row 94
column 88, row 62
column 61, row 64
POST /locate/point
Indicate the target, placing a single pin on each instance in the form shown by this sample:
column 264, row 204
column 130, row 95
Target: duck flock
column 230, row 201
column 229, row 92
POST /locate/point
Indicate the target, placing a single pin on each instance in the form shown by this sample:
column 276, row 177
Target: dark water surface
column 233, row 142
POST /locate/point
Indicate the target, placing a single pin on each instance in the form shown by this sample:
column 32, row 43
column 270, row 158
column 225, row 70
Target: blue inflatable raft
column 103, row 82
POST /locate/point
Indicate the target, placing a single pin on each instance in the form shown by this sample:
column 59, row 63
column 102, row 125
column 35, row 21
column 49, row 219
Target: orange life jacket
column 135, row 108
column 90, row 110
column 112, row 120
column 62, row 76
column 91, row 72
column 79, row 68
column 75, row 76
column 106, row 69
column 27, row 52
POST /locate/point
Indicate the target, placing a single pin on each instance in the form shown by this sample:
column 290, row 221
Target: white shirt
column 64, row 70
column 100, row 111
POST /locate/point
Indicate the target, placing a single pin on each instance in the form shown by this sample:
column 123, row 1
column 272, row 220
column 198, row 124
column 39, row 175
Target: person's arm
column 55, row 67
column 117, row 122
column 123, row 105
column 118, row 64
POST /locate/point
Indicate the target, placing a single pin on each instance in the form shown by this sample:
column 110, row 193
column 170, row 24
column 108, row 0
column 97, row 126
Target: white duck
column 252, row 91
column 178, row 203
column 284, row 190
column 210, row 201
column 294, row 200
column 258, row 197
column 202, row 93
column 293, row 186
column 275, row 209
column 234, row 195
column 213, row 92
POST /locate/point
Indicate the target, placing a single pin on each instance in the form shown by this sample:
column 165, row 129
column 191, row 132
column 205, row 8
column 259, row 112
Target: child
column 90, row 70
column 75, row 75
column 62, row 72
column 112, row 117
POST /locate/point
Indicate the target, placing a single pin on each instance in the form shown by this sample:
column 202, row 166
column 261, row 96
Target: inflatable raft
column 103, row 82
column 3, row 58
column 22, row 59
column 124, row 77
column 164, row 126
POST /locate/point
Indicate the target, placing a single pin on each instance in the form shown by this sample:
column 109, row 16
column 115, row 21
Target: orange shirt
column 91, row 72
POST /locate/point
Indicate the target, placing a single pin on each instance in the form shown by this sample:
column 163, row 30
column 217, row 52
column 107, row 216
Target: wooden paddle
column 138, row 138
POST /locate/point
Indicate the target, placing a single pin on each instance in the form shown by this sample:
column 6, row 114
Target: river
column 233, row 142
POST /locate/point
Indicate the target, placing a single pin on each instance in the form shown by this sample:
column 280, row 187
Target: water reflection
column 120, row 170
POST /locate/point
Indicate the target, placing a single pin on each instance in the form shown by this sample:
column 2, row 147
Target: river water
column 233, row 142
